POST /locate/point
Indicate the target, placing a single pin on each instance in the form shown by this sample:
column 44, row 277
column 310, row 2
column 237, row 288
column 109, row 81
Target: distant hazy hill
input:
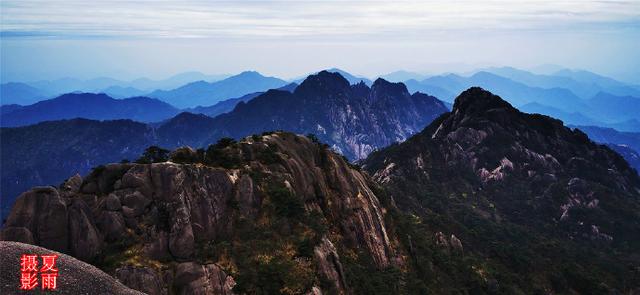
column 615, row 108
column 122, row 92
column 31, row 92
column 610, row 135
column 19, row 93
column 574, row 118
column 402, row 76
column 607, row 84
column 609, row 110
column 516, row 93
column 89, row 106
column 203, row 93
column 548, row 94
column 65, row 85
column 581, row 89
column 228, row 105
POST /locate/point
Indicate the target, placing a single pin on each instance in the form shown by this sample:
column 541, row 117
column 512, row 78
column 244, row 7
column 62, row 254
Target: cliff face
column 285, row 209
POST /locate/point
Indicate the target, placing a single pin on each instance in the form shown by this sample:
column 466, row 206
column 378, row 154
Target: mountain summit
column 203, row 93
column 353, row 119
column 269, row 213
column 523, row 192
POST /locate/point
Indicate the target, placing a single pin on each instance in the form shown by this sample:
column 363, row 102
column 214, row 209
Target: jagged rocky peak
column 512, row 183
column 485, row 144
column 216, row 220
column 323, row 83
column 384, row 85
column 475, row 101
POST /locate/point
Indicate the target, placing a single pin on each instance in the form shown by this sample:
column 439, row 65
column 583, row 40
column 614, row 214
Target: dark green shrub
column 216, row 155
column 153, row 154
column 313, row 138
column 269, row 155
column 184, row 155
column 225, row 142
column 286, row 203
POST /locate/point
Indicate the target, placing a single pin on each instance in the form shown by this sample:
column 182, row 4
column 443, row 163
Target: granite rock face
column 164, row 212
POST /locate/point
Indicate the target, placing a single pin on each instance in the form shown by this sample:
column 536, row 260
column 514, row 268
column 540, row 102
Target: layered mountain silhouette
column 517, row 93
column 522, row 193
column 584, row 84
column 627, row 144
column 228, row 105
column 352, row 119
column 32, row 92
column 402, row 76
column 89, row 106
column 553, row 95
column 203, row 93
column 20, row 93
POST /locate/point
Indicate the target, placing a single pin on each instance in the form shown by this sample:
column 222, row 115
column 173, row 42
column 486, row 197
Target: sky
column 49, row 39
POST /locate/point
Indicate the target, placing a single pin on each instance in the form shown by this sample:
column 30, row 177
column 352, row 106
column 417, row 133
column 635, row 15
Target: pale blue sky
column 128, row 39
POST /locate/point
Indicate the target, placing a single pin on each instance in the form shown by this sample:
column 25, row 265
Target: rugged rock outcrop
column 495, row 176
column 188, row 227
column 485, row 145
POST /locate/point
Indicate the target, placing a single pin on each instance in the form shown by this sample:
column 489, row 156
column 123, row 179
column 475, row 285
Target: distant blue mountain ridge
column 201, row 93
column 620, row 110
column 24, row 93
column 576, row 97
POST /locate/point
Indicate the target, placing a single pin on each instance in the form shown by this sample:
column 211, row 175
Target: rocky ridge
column 491, row 174
column 283, row 203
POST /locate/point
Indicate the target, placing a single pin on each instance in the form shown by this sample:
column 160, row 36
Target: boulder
column 112, row 203
column 143, row 279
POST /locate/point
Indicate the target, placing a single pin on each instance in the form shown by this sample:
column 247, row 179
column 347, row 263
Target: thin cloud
column 333, row 20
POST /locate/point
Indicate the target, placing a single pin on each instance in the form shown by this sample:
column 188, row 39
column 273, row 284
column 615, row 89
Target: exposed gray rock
column 160, row 212
column 72, row 184
column 143, row 279
column 43, row 213
column 329, row 265
column 112, row 203
column 82, row 231
column 456, row 244
column 112, row 225
column 193, row 278
column 137, row 202
column 441, row 240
